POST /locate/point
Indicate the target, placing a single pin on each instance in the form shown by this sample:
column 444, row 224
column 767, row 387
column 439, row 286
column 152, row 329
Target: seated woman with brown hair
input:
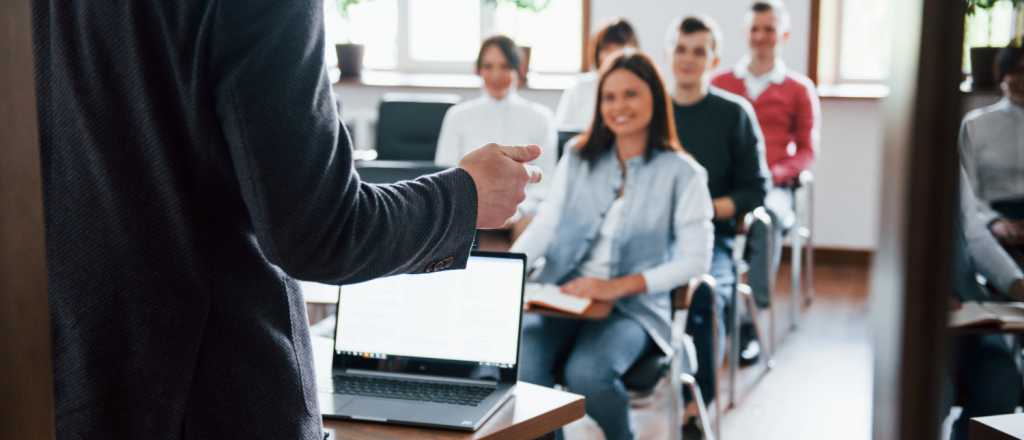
column 626, row 220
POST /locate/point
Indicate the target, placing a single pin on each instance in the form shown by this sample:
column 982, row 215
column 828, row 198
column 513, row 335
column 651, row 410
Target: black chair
column 391, row 171
column 408, row 125
column 563, row 138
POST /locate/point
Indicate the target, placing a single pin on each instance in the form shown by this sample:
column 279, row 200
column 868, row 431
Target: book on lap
column 549, row 296
column 988, row 315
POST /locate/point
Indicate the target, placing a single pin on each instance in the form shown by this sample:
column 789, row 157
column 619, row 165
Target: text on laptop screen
column 466, row 315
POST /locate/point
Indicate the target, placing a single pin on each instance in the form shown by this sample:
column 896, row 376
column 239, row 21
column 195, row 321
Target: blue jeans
column 985, row 378
column 698, row 322
column 589, row 358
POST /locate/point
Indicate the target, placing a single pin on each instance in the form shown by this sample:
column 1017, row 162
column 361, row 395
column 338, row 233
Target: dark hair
column 701, row 23
column 1008, row 61
column 617, row 31
column 661, row 133
column 772, row 6
column 507, row 48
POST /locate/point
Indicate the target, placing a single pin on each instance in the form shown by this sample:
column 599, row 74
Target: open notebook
column 549, row 296
column 991, row 315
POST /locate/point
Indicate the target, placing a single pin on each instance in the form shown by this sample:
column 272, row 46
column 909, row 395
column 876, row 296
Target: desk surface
column 532, row 412
column 1010, row 426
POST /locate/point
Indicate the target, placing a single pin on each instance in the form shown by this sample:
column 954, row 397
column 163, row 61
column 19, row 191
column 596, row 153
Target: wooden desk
column 533, row 411
column 1010, row 426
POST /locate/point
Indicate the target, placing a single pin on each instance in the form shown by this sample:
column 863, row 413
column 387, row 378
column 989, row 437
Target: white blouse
column 992, row 150
column 576, row 107
column 511, row 121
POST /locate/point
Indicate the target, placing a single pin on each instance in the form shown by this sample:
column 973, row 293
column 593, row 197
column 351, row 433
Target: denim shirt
column 665, row 233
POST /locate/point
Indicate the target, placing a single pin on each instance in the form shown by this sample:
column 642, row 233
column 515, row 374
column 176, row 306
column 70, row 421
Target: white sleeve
column 563, row 113
column 449, row 142
column 989, row 257
column 538, row 235
column 968, row 156
column 547, row 138
column 694, row 238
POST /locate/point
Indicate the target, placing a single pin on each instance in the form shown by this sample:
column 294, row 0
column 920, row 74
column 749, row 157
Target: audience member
column 576, row 107
column 992, row 148
column 720, row 130
column 787, row 109
column 501, row 116
column 627, row 219
column 984, row 374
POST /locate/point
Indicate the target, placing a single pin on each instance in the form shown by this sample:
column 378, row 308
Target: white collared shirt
column 756, row 84
column 576, row 107
column 510, row 121
column 992, row 150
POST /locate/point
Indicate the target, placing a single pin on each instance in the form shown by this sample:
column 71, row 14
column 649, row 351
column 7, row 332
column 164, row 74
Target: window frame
column 405, row 63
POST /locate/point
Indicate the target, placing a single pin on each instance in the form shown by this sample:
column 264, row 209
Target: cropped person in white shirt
column 576, row 107
column 500, row 116
column 992, row 149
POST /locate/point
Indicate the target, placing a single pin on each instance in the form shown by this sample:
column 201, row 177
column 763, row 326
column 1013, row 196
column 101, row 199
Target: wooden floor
column 820, row 386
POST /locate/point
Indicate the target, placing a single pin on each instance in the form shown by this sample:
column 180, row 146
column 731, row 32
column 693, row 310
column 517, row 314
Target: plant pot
column 983, row 63
column 350, row 59
column 524, row 64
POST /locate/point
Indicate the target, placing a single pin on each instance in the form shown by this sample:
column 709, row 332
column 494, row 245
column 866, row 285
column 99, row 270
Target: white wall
column 848, row 167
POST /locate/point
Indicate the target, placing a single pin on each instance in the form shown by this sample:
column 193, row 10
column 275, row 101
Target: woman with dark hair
column 499, row 116
column 627, row 219
column 574, row 108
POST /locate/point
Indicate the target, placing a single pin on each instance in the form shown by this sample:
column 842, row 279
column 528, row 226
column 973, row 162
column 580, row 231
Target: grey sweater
column 193, row 163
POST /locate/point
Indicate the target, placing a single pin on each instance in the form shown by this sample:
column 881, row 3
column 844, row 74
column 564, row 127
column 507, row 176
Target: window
column 443, row 36
column 988, row 28
column 854, row 41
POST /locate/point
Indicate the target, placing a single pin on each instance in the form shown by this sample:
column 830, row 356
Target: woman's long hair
column 661, row 133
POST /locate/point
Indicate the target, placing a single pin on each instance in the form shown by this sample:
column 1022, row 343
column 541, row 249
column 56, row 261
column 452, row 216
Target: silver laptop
column 438, row 349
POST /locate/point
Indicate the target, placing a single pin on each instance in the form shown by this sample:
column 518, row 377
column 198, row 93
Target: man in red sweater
column 789, row 114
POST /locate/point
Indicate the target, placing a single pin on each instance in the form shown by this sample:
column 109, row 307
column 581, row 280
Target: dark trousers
column 986, row 381
column 699, row 324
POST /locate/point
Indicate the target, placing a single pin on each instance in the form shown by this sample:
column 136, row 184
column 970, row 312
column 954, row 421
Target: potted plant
column 350, row 55
column 983, row 58
column 524, row 51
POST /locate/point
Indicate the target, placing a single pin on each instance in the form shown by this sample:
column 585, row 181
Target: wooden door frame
column 910, row 275
column 26, row 373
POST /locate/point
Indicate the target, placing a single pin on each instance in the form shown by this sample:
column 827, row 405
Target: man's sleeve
column 310, row 212
column 806, row 135
column 751, row 179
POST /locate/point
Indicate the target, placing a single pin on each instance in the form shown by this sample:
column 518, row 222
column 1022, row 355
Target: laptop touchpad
column 372, row 407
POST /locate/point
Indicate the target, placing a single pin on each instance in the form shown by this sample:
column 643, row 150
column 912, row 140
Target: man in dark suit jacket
column 193, row 163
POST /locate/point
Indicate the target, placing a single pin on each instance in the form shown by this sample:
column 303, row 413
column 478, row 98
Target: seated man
column 720, row 130
column 984, row 374
column 789, row 114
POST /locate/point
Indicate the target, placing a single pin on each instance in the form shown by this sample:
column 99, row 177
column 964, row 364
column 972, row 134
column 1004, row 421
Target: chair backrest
column 408, row 125
column 391, row 171
column 563, row 138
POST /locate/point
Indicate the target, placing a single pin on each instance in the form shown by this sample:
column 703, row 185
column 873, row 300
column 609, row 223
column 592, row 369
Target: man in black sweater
column 193, row 163
column 720, row 130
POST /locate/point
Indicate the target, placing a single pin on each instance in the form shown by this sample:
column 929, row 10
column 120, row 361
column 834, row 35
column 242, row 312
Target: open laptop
column 438, row 349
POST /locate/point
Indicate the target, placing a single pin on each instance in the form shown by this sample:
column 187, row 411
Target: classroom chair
column 758, row 218
column 408, row 125
column 801, row 239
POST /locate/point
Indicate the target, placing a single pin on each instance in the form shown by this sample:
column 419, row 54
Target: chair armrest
column 682, row 296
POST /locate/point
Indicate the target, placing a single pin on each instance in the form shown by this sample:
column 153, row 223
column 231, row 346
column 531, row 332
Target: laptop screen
column 471, row 315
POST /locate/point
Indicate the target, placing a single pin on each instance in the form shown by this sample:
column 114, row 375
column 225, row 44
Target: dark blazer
column 193, row 163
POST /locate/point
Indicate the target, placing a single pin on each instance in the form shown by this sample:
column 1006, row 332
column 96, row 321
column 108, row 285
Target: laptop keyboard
column 456, row 394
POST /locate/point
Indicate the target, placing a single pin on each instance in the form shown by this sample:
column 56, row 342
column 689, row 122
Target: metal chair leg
column 748, row 299
column 795, row 294
column 734, row 348
column 702, row 412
